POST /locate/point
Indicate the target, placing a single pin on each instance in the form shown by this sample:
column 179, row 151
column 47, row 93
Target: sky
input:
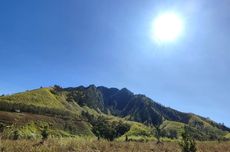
column 109, row 43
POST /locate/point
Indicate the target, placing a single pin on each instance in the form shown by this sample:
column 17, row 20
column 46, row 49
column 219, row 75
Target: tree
column 102, row 128
column 57, row 87
column 172, row 134
column 44, row 133
column 121, row 128
column 16, row 135
column 159, row 129
column 126, row 138
column 1, row 127
column 158, row 133
column 187, row 144
column 86, row 116
column 1, row 134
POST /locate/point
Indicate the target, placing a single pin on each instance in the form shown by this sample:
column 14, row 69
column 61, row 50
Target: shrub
column 121, row 128
column 188, row 144
column 1, row 127
column 107, row 130
column 16, row 135
column 45, row 133
column 101, row 128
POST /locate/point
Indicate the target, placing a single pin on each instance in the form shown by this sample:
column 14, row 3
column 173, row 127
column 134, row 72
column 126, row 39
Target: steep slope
column 85, row 96
column 138, row 107
column 125, row 104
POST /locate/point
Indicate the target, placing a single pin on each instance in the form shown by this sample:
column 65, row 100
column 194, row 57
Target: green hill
column 40, row 97
column 77, row 111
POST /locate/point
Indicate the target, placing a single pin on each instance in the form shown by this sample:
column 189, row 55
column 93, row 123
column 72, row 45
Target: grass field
column 80, row 145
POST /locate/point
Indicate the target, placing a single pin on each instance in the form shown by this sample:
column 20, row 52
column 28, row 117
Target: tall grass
column 92, row 145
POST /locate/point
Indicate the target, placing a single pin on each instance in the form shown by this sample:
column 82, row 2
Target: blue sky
column 108, row 42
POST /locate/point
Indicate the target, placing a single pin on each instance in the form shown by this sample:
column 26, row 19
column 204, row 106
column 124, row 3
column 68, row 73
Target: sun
column 167, row 27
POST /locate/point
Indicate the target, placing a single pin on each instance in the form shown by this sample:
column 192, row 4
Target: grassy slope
column 138, row 132
column 30, row 125
column 195, row 118
column 207, row 126
column 227, row 136
column 40, row 97
column 172, row 125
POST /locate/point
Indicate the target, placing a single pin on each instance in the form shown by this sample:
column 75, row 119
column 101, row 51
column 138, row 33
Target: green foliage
column 158, row 128
column 187, row 144
column 227, row 136
column 16, row 135
column 44, row 133
column 2, row 126
column 172, row 129
column 102, row 128
column 172, row 134
column 140, row 131
column 57, row 88
column 120, row 128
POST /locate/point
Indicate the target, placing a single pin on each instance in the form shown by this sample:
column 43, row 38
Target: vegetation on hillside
column 101, row 112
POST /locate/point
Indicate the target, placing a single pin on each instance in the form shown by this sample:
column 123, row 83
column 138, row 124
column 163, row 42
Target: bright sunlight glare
column 167, row 27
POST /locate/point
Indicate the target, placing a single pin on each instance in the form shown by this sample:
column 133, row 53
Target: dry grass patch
column 90, row 145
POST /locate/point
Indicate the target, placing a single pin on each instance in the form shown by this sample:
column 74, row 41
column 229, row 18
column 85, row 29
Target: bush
column 121, row 128
column 172, row 134
column 188, row 144
column 16, row 135
column 102, row 129
column 107, row 130
column 45, row 133
column 2, row 125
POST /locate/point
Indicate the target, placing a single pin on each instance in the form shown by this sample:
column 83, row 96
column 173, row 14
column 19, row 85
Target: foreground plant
column 187, row 144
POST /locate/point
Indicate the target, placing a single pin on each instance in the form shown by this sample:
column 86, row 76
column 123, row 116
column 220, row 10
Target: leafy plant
column 45, row 133
column 188, row 144
column 158, row 129
column 107, row 130
column 16, row 135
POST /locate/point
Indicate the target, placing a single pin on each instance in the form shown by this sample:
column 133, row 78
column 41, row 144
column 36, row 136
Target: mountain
column 67, row 105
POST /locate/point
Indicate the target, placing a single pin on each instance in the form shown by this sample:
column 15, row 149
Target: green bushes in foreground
column 103, row 128
column 187, row 144
column 108, row 130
